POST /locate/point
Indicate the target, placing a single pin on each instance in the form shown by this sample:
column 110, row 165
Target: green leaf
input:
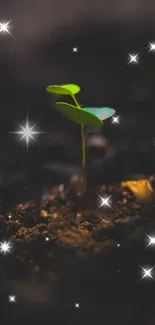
column 102, row 113
column 59, row 90
column 74, row 89
column 69, row 89
column 78, row 115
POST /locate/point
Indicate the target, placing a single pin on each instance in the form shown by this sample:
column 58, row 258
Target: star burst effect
column 5, row 247
column 133, row 58
column 115, row 119
column 75, row 49
column 152, row 47
column 151, row 240
column 104, row 201
column 4, row 27
column 27, row 132
column 147, row 273
column 12, row 299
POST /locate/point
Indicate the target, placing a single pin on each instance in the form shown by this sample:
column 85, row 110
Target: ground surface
column 77, row 252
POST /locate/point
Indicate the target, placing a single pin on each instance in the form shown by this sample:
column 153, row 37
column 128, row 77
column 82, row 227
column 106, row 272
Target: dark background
column 40, row 53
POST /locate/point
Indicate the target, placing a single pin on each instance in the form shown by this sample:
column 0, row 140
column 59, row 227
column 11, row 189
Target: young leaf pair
column 82, row 115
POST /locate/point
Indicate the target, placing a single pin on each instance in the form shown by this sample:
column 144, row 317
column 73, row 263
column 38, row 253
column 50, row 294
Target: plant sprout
column 93, row 116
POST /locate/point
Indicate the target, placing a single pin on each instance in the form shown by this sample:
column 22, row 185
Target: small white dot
column 12, row 299
column 74, row 49
column 118, row 245
column 47, row 238
column 9, row 217
column 77, row 305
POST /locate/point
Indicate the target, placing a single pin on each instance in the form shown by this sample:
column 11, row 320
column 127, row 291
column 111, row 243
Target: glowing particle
column 104, row 201
column 75, row 49
column 118, row 245
column 27, row 132
column 147, row 273
column 4, row 27
column 152, row 46
column 5, row 247
column 47, row 238
column 12, row 299
column 152, row 240
column 115, row 119
column 133, row 58
column 77, row 305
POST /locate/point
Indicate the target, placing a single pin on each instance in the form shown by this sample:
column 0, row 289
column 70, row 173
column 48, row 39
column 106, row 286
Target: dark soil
column 75, row 252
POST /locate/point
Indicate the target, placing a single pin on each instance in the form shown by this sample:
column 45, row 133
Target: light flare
column 115, row 119
column 152, row 240
column 147, row 273
column 4, row 27
column 5, row 247
column 152, row 47
column 104, row 201
column 12, row 299
column 27, row 132
column 133, row 58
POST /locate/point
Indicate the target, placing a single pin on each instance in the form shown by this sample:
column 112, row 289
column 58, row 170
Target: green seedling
column 81, row 115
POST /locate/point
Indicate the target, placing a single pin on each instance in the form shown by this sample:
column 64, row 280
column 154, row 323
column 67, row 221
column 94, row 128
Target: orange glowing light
column 142, row 189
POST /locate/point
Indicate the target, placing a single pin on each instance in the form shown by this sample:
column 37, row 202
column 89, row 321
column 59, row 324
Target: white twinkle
column 4, row 27
column 27, row 132
column 115, row 119
column 104, row 201
column 147, row 273
column 77, row 305
column 75, row 49
column 152, row 240
column 12, row 299
column 152, row 47
column 5, row 247
column 133, row 58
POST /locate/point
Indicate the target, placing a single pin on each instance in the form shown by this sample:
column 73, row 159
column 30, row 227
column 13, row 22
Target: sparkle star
column 4, row 27
column 152, row 46
column 75, row 49
column 104, row 201
column 147, row 273
column 77, row 305
column 12, row 299
column 152, row 240
column 115, row 119
column 133, row 58
column 27, row 132
column 5, row 247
